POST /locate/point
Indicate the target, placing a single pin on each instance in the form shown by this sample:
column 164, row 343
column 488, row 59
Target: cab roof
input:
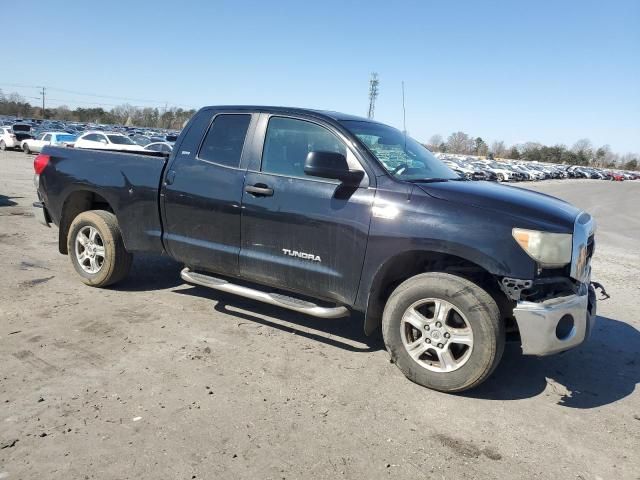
column 336, row 116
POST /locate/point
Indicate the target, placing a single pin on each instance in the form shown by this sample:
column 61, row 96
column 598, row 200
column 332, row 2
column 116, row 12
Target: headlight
column 548, row 249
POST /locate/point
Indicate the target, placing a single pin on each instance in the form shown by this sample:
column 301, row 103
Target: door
column 202, row 193
column 45, row 140
column 302, row 233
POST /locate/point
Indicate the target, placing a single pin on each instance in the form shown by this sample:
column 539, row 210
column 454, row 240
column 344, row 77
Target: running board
column 277, row 299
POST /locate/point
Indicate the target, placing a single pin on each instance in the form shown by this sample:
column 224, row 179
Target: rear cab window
column 225, row 140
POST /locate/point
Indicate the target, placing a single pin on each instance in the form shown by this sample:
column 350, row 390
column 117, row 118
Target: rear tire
column 454, row 316
column 96, row 248
column 3, row 146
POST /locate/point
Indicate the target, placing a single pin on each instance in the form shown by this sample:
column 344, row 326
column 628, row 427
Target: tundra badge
column 304, row 256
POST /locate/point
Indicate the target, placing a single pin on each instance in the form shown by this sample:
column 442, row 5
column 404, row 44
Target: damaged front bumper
column 557, row 324
column 562, row 322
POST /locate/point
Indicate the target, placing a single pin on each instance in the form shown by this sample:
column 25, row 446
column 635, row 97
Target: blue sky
column 547, row 71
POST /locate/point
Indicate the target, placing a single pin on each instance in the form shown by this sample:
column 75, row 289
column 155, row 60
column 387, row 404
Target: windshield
column 401, row 156
column 120, row 140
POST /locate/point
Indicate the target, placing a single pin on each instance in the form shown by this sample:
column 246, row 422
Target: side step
column 277, row 299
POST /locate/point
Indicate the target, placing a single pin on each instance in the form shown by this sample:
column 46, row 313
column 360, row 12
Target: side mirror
column 331, row 165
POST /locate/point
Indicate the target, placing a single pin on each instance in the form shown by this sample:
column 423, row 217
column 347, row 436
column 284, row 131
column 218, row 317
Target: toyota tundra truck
column 331, row 215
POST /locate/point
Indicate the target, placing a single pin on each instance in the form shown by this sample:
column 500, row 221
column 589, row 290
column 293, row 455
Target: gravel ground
column 158, row 379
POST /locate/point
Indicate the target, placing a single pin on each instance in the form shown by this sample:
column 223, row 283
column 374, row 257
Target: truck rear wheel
column 96, row 248
column 443, row 331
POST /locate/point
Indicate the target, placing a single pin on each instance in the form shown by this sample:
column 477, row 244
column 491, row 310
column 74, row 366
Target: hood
column 536, row 210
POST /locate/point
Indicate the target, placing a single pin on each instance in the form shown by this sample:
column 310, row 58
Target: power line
column 157, row 103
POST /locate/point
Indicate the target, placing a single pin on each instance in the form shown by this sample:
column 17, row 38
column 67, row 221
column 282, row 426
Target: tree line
column 582, row 153
column 14, row 104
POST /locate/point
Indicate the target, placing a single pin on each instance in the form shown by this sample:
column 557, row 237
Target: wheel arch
column 77, row 202
column 405, row 265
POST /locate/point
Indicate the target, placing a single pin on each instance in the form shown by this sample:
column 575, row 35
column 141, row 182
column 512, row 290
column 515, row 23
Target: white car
column 10, row 138
column 159, row 147
column 47, row 138
column 107, row 141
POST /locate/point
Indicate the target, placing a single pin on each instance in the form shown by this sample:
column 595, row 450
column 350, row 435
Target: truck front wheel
column 96, row 248
column 443, row 331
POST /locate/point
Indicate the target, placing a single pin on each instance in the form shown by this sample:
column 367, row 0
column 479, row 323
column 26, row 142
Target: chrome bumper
column 40, row 213
column 541, row 330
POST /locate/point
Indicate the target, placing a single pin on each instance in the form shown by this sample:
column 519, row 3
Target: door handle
column 259, row 190
column 171, row 175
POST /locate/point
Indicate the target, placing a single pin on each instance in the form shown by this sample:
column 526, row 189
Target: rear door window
column 224, row 141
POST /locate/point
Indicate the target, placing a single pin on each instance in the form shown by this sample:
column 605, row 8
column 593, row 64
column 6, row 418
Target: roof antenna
column 404, row 119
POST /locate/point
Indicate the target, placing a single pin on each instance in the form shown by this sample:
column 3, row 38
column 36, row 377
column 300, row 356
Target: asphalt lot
column 158, row 379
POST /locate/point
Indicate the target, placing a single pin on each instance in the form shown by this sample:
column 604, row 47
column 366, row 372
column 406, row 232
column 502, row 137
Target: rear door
column 304, row 234
column 203, row 189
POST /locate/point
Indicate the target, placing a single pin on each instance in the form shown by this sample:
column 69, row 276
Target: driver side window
column 288, row 141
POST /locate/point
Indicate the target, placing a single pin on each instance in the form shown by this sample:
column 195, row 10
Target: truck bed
column 124, row 182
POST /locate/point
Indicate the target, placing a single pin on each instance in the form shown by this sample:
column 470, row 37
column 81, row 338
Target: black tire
column 116, row 261
column 481, row 314
column 3, row 146
column 25, row 148
column 500, row 178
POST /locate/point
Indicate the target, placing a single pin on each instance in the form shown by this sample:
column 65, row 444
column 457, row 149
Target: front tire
column 3, row 146
column 443, row 331
column 25, row 148
column 97, row 250
column 500, row 178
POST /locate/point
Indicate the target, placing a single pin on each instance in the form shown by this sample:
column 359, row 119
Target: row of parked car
column 479, row 168
column 31, row 136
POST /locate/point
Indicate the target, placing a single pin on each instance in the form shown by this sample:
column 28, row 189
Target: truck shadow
column 6, row 201
column 345, row 333
column 603, row 370
column 151, row 272
column 155, row 272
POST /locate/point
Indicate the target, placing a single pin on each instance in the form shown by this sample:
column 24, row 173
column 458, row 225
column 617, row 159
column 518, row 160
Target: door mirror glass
column 331, row 165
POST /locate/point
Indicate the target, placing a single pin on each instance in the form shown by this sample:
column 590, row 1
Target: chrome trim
column 583, row 228
column 537, row 322
column 279, row 300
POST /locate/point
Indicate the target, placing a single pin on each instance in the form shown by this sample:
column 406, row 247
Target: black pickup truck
column 327, row 214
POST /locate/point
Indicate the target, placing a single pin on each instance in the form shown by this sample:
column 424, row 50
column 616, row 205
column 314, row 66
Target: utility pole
column 373, row 93
column 43, row 94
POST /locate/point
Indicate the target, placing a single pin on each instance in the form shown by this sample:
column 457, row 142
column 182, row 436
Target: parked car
column 159, row 147
column 107, row 141
column 47, row 138
column 10, row 137
column 140, row 140
column 325, row 213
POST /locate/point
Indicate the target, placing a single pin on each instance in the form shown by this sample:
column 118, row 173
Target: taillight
column 40, row 163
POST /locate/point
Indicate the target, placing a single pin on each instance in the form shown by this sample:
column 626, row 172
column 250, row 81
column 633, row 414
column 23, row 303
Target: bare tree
column 582, row 145
column 498, row 149
column 459, row 142
column 434, row 142
column 63, row 112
